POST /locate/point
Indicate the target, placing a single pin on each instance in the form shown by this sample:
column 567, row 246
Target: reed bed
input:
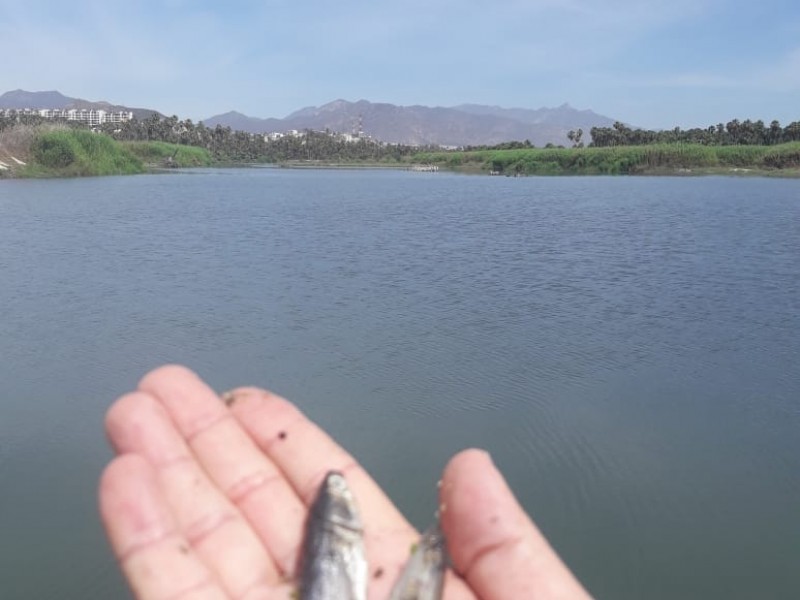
column 619, row 160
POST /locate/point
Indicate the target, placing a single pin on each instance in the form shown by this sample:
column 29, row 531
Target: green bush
column 173, row 155
column 72, row 152
column 54, row 150
column 785, row 156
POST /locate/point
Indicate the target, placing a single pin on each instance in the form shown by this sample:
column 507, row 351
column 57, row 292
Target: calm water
column 627, row 349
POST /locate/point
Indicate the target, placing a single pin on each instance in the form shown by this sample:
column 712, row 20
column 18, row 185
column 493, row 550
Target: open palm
column 208, row 499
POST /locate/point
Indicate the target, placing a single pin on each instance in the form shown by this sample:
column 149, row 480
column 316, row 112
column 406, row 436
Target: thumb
column 492, row 542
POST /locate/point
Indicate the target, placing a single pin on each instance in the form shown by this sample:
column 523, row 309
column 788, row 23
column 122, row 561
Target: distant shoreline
column 340, row 165
column 64, row 152
column 788, row 173
column 656, row 159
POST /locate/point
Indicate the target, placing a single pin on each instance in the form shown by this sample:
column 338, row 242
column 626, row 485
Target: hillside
column 462, row 125
column 54, row 99
column 467, row 124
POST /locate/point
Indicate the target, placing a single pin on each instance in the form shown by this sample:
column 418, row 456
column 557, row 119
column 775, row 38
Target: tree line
column 735, row 132
column 226, row 144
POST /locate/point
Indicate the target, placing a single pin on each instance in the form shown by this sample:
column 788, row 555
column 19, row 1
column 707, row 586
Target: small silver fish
column 423, row 576
column 334, row 565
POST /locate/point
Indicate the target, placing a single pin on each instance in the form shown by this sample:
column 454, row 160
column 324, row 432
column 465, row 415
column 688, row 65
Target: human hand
column 208, row 501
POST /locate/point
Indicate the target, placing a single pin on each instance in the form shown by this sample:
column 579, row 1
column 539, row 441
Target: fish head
column 340, row 504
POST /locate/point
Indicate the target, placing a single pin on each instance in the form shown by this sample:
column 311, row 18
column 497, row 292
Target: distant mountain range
column 53, row 99
column 465, row 124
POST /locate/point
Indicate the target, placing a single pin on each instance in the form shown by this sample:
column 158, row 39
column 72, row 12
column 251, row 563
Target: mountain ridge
column 461, row 125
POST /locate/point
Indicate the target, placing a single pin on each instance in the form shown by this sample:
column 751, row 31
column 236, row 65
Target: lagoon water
column 627, row 348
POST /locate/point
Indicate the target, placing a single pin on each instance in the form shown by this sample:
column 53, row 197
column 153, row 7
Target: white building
column 90, row 116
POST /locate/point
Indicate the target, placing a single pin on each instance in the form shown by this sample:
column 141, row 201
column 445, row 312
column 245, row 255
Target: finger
column 455, row 587
column 305, row 453
column 213, row 527
column 492, row 542
column 157, row 560
column 232, row 461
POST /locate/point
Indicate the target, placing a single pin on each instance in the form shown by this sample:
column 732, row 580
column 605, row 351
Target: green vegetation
column 74, row 152
column 56, row 150
column 735, row 133
column 227, row 146
column 162, row 154
column 619, row 160
column 132, row 147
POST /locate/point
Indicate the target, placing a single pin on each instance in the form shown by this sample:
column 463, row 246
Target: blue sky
column 652, row 63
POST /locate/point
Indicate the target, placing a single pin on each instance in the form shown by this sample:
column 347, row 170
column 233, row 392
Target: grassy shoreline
column 47, row 152
column 160, row 155
column 661, row 159
column 53, row 152
column 333, row 164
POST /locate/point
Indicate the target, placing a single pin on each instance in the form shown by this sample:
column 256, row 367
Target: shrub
column 786, row 156
column 54, row 150
column 173, row 155
column 69, row 152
